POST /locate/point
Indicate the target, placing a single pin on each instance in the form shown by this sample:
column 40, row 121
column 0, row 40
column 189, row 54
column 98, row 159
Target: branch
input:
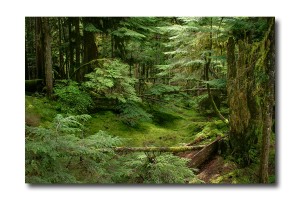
column 159, row 149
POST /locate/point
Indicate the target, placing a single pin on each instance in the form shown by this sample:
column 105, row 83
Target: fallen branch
column 159, row 149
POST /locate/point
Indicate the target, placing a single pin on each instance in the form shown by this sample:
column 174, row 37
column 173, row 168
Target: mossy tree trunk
column 269, row 63
column 248, row 83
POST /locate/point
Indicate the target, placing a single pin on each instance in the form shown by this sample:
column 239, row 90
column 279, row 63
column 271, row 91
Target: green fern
column 159, row 169
column 57, row 155
column 110, row 79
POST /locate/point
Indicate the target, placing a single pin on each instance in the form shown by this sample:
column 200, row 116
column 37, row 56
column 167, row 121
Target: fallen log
column 199, row 157
column 159, row 149
column 197, row 140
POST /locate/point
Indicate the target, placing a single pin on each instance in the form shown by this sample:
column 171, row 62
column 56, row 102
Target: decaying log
column 199, row 157
column 159, row 149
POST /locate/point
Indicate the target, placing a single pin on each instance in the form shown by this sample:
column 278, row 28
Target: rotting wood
column 198, row 158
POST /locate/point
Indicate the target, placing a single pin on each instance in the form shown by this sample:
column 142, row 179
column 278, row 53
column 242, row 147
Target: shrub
column 160, row 169
column 72, row 98
column 58, row 155
column 110, row 79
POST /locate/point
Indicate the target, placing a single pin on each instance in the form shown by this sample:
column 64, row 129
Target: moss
column 39, row 109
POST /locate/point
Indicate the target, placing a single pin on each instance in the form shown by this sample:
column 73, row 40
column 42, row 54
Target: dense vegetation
column 98, row 86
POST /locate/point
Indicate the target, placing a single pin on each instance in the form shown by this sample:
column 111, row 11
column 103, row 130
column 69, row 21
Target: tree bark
column 48, row 57
column 90, row 51
column 248, row 90
column 269, row 63
column 77, row 41
column 61, row 58
column 71, row 46
column 40, row 73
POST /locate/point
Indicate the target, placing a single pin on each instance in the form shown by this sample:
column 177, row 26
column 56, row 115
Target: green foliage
column 72, row 98
column 217, row 83
column 91, row 28
column 112, row 81
column 132, row 114
column 57, row 155
column 125, row 32
column 159, row 169
column 160, row 89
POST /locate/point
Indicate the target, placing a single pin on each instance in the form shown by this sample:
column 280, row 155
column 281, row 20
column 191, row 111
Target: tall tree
column 247, row 87
column 269, row 68
column 47, row 56
column 77, row 41
column 71, row 45
column 39, row 46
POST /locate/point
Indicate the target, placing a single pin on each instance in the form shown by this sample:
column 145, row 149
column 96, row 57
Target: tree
column 39, row 48
column 48, row 56
column 269, row 86
column 249, row 81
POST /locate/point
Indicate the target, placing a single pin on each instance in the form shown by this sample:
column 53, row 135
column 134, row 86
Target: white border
column 12, row 95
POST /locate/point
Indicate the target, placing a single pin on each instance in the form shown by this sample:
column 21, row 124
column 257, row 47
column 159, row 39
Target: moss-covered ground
column 170, row 126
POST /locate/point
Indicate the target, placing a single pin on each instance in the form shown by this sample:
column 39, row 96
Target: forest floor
column 172, row 126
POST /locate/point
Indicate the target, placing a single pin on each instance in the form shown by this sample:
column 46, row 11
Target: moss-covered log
column 35, row 85
column 159, row 149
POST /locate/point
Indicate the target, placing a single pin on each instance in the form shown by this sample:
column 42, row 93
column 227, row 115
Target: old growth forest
column 150, row 100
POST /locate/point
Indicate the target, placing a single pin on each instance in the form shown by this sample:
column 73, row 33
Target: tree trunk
column 40, row 74
column 48, row 57
column 243, row 114
column 71, row 47
column 90, row 51
column 247, row 91
column 269, row 63
column 61, row 57
column 77, row 41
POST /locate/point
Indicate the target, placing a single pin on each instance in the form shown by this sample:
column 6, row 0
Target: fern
column 159, row 169
column 132, row 114
column 57, row 155
column 217, row 83
column 160, row 89
column 111, row 80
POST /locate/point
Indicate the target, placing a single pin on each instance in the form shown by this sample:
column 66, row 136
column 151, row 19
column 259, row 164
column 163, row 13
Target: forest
column 150, row 100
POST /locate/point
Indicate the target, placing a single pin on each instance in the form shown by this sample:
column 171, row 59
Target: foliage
column 217, row 83
column 111, row 80
column 159, row 169
column 72, row 98
column 132, row 114
column 57, row 155
column 160, row 89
